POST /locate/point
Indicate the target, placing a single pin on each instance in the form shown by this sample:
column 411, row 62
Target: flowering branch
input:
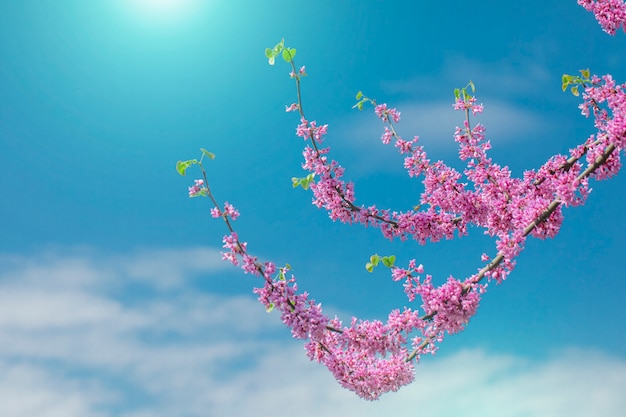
column 372, row 357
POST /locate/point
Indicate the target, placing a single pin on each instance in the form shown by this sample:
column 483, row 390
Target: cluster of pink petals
column 373, row 357
column 229, row 211
column 196, row 188
column 611, row 14
column 611, row 126
column 367, row 357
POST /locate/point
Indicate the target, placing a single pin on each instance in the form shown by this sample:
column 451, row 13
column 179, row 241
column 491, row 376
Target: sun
column 162, row 10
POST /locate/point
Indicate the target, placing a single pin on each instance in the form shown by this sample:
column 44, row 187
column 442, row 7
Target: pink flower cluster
column 611, row 14
column 374, row 357
column 368, row 357
column 229, row 211
column 611, row 127
column 196, row 188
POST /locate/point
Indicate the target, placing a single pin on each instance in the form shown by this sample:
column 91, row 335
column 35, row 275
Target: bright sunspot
column 162, row 10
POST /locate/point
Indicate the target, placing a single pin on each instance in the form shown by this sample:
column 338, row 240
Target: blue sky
column 113, row 298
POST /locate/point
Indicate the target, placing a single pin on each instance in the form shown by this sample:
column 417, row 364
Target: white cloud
column 171, row 267
column 515, row 93
column 78, row 342
column 524, row 74
column 434, row 123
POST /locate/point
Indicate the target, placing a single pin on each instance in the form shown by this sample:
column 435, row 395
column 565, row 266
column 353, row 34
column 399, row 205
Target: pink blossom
column 231, row 211
column 371, row 357
column 611, row 14
column 384, row 113
column 197, row 188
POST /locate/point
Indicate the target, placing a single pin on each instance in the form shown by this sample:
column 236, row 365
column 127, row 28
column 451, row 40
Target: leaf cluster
column 288, row 54
column 575, row 81
column 303, row 182
column 375, row 259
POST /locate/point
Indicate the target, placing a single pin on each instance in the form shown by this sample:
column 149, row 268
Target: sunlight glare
column 163, row 10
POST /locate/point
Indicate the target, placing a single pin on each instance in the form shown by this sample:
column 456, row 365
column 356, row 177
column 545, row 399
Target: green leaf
column 208, row 154
column 457, row 93
column 269, row 308
column 271, row 54
column 375, row 259
column 278, row 47
column 181, row 166
column 568, row 79
column 585, row 73
column 359, row 95
column 388, row 261
column 575, row 91
column 305, row 182
column 471, row 84
column 369, row 267
column 286, row 55
column 289, row 54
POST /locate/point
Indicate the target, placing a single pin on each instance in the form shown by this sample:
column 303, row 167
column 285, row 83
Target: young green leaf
column 575, row 90
column 305, row 182
column 269, row 308
column 585, row 73
column 287, row 56
column 369, row 267
column 208, row 154
column 359, row 95
column 388, row 261
column 181, row 166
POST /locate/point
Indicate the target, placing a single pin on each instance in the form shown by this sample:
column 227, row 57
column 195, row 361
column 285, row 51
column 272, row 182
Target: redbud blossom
column 611, row 14
column 197, row 188
column 372, row 357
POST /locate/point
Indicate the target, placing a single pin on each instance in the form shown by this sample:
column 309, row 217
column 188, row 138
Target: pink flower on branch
column 372, row 357
column 197, row 188
column 610, row 14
